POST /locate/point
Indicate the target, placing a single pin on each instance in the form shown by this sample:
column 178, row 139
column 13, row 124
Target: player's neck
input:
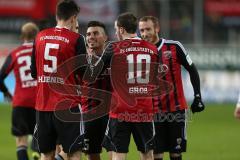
column 63, row 24
column 156, row 40
column 97, row 51
column 129, row 36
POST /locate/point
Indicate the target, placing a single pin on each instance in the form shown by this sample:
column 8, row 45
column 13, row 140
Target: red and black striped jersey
column 172, row 55
column 19, row 61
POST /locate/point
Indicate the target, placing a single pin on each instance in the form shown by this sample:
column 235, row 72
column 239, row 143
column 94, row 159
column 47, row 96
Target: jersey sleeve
column 5, row 70
column 187, row 63
column 33, row 66
column 81, row 45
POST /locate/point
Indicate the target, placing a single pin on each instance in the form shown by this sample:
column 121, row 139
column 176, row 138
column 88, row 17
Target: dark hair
column 97, row 24
column 67, row 9
column 151, row 18
column 128, row 21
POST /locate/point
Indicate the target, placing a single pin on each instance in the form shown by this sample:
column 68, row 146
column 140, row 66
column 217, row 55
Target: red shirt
column 53, row 47
column 19, row 60
column 133, row 72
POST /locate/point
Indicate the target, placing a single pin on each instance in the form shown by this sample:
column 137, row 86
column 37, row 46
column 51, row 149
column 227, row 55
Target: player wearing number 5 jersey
column 23, row 113
column 53, row 47
column 132, row 71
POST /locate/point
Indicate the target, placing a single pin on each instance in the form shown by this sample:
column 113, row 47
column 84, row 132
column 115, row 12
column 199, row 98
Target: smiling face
column 148, row 31
column 96, row 37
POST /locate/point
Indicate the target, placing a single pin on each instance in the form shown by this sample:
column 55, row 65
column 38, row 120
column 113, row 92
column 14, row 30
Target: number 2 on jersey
column 139, row 77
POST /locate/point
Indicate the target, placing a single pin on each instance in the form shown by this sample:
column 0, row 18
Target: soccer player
column 131, row 73
column 96, row 38
column 53, row 47
column 171, row 123
column 237, row 110
column 23, row 113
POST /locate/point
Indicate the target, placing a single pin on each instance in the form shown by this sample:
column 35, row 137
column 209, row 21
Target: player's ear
column 121, row 29
column 157, row 28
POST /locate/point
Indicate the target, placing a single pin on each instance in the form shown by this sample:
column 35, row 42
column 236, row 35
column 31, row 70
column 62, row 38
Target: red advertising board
column 223, row 7
column 36, row 9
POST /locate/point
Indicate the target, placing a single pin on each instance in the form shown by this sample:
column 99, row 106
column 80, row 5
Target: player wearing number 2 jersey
column 23, row 113
column 132, row 71
column 53, row 47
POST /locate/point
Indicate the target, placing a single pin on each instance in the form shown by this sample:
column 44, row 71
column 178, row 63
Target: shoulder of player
column 175, row 43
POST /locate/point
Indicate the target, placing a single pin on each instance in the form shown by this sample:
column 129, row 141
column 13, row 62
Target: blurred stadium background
column 210, row 32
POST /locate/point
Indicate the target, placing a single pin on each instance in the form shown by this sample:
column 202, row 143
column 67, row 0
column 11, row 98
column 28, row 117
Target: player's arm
column 5, row 70
column 237, row 109
column 186, row 62
column 33, row 63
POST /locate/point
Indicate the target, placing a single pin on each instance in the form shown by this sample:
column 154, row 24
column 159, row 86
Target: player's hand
column 7, row 96
column 197, row 105
column 237, row 112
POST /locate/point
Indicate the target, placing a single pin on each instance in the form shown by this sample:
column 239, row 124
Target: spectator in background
column 23, row 112
column 237, row 110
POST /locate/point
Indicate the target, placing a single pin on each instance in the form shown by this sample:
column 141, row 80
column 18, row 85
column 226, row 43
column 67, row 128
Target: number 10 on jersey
column 139, row 69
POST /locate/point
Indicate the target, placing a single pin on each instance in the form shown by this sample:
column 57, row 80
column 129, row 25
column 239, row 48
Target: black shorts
column 49, row 129
column 118, row 134
column 23, row 121
column 170, row 132
column 94, row 134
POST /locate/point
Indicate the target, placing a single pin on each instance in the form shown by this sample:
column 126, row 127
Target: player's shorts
column 170, row 132
column 94, row 134
column 118, row 134
column 49, row 129
column 23, row 121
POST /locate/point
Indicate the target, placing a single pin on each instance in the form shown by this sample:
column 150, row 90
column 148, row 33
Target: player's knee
column 94, row 156
column 175, row 156
column 147, row 156
column 158, row 156
column 22, row 141
column 48, row 156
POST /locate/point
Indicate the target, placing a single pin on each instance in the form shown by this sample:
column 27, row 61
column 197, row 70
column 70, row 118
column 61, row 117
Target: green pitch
column 213, row 134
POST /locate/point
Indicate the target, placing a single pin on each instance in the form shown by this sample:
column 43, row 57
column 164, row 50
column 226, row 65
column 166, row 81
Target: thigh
column 94, row 134
column 143, row 134
column 44, row 133
column 70, row 135
column 161, row 138
column 177, row 134
column 117, row 136
column 23, row 121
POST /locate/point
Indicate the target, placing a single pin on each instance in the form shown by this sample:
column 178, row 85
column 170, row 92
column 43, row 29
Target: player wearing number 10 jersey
column 132, row 71
column 53, row 47
column 23, row 113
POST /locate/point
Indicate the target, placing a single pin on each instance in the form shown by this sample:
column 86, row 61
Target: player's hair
column 67, row 9
column 97, row 24
column 128, row 21
column 28, row 31
column 151, row 18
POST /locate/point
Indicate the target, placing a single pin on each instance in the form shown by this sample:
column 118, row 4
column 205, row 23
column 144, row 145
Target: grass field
column 212, row 135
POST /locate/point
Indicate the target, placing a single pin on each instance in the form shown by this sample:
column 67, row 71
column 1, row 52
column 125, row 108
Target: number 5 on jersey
column 48, row 48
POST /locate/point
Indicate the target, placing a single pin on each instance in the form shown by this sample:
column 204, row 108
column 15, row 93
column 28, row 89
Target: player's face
column 148, row 31
column 118, row 31
column 95, row 37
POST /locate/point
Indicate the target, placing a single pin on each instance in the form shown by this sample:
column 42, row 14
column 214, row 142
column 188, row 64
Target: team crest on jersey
column 167, row 54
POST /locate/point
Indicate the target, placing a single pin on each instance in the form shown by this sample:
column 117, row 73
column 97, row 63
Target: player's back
column 53, row 47
column 25, row 87
column 133, row 72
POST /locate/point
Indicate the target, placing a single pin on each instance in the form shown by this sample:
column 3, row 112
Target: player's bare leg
column 147, row 156
column 175, row 156
column 110, row 155
column 158, row 156
column 22, row 143
column 48, row 156
column 94, row 156
column 60, row 154
column 118, row 156
column 74, row 156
